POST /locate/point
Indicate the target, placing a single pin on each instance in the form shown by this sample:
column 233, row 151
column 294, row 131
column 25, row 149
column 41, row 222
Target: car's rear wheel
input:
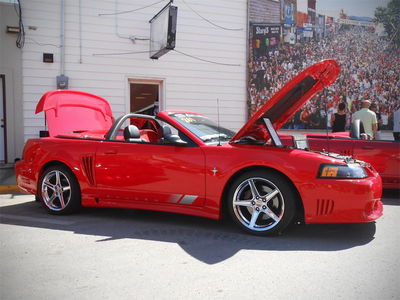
column 262, row 202
column 59, row 190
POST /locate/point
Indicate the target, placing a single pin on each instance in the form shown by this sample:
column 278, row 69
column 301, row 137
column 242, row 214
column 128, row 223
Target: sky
column 359, row 8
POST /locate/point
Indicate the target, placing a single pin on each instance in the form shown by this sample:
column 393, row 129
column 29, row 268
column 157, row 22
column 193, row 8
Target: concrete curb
column 7, row 189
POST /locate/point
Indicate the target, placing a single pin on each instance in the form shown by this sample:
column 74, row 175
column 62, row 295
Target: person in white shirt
column 368, row 118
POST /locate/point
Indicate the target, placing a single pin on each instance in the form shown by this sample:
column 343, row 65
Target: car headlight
column 341, row 171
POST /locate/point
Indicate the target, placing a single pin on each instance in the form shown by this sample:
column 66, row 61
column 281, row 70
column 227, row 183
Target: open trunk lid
column 73, row 111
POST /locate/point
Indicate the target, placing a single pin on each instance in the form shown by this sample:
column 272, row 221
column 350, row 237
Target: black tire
column 59, row 190
column 267, row 203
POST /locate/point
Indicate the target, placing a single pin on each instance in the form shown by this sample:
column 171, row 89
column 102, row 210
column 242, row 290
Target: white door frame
column 143, row 80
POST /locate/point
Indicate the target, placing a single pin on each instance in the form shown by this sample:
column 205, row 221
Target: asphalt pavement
column 133, row 254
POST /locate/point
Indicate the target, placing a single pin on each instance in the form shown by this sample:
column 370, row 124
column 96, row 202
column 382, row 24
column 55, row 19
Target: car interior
column 142, row 130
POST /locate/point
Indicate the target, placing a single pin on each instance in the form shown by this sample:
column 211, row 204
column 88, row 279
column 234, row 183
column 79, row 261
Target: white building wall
column 189, row 84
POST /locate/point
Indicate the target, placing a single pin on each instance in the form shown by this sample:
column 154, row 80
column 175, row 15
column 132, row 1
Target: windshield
column 203, row 128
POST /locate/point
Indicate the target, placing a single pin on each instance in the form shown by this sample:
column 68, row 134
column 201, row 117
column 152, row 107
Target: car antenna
column 326, row 125
column 219, row 133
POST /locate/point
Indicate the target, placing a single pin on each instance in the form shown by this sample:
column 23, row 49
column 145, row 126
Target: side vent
column 324, row 207
column 88, row 168
column 346, row 152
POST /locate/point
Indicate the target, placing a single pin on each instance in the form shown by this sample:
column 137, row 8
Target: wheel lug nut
column 257, row 208
column 264, row 200
column 253, row 202
column 264, row 207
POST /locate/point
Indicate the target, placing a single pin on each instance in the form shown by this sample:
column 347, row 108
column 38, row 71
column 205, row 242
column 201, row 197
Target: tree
column 390, row 17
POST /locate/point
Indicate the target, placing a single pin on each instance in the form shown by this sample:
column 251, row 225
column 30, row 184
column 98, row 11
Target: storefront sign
column 265, row 37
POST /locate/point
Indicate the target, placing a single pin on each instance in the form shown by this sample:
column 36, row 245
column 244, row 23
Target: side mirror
column 174, row 140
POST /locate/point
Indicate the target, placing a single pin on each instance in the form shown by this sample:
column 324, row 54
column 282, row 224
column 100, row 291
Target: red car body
column 196, row 174
column 383, row 155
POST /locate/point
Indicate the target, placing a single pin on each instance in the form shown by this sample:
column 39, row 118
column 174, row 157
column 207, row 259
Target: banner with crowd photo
column 370, row 70
column 265, row 42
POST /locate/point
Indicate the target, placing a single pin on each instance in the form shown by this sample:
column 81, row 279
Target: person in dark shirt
column 315, row 118
column 338, row 120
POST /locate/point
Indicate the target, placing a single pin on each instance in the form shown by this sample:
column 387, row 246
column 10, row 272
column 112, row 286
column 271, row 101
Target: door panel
column 341, row 146
column 384, row 156
column 151, row 173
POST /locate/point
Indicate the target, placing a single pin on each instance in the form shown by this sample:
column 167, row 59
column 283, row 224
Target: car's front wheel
column 59, row 190
column 262, row 202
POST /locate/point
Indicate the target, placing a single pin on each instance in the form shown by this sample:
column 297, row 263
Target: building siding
column 189, row 84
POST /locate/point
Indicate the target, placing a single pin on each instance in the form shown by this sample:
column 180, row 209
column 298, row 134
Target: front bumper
column 342, row 200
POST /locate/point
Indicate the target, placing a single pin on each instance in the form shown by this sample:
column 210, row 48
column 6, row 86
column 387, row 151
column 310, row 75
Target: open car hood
column 284, row 104
column 72, row 111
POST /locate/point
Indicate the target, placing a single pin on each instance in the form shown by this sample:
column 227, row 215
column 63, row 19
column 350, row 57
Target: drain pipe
column 80, row 31
column 62, row 37
column 62, row 80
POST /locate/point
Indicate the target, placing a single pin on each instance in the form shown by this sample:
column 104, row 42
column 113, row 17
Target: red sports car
column 182, row 162
column 383, row 155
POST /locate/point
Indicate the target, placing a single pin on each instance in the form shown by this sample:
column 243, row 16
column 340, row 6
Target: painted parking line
column 32, row 219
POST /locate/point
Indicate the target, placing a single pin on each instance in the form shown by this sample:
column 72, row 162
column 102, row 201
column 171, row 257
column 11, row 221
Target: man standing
column 315, row 118
column 396, row 125
column 368, row 118
column 374, row 108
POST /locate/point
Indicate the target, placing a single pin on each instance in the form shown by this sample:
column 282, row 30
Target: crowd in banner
column 370, row 70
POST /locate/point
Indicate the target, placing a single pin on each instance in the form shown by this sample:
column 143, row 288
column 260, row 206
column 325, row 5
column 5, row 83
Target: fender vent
column 324, row 207
column 88, row 168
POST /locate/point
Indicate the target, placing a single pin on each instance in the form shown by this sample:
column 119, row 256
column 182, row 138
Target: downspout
column 80, row 32
column 247, row 58
column 62, row 38
column 62, row 80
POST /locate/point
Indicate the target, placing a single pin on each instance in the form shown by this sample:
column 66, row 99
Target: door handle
column 113, row 151
column 368, row 147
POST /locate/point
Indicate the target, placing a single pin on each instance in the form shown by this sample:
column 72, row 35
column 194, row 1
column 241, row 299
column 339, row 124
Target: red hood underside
column 284, row 104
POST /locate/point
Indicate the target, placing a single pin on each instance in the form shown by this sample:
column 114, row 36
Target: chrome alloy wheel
column 56, row 190
column 258, row 204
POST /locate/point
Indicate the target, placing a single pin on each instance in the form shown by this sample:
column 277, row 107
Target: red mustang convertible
column 383, row 155
column 182, row 162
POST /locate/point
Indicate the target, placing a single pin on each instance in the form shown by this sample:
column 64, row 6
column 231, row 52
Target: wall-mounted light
column 48, row 57
column 12, row 29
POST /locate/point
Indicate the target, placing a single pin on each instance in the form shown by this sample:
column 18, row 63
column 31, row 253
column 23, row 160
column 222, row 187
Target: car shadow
column 207, row 240
column 391, row 197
